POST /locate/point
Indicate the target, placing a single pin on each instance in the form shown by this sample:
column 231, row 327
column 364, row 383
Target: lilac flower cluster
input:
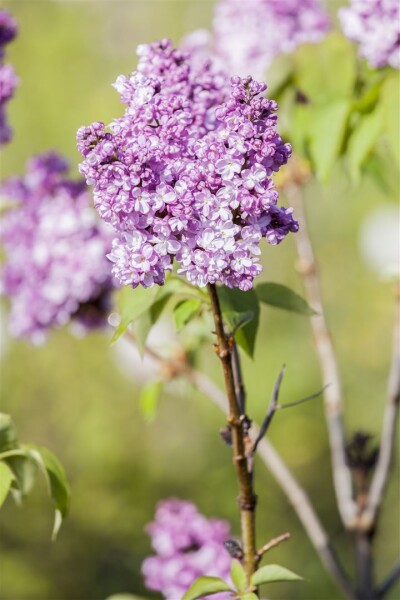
column 55, row 251
column 188, row 545
column 375, row 26
column 185, row 174
column 8, row 79
column 247, row 36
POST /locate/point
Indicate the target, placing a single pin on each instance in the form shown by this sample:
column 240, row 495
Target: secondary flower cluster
column 8, row 79
column 247, row 36
column 375, row 26
column 188, row 545
column 185, row 174
column 55, row 250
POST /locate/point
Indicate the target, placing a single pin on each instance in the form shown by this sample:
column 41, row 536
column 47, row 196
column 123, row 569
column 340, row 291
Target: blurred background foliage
column 72, row 396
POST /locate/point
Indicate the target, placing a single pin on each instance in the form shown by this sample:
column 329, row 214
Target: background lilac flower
column 247, row 36
column 187, row 545
column 186, row 172
column 55, row 251
column 8, row 79
column 375, row 26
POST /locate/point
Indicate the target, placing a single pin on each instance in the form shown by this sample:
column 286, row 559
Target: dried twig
column 329, row 367
column 273, row 406
column 302, row 400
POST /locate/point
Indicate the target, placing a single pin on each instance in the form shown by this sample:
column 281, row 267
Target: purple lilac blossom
column 187, row 545
column 375, row 26
column 55, row 251
column 186, row 173
column 8, row 79
column 247, row 36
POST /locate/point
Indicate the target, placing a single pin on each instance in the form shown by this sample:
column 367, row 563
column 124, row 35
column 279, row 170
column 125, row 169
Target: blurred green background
column 71, row 396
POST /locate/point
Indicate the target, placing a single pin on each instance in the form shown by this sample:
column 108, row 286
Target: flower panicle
column 185, row 174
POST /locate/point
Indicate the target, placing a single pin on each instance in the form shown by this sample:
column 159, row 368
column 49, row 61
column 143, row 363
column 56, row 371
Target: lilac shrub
column 187, row 545
column 247, row 36
column 55, row 251
column 375, row 26
column 8, row 79
column 186, row 172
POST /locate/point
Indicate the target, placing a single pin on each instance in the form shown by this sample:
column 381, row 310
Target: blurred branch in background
column 358, row 506
column 388, row 436
column 329, row 367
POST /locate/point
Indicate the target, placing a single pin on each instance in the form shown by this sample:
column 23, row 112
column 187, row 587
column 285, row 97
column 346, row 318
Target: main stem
column 247, row 499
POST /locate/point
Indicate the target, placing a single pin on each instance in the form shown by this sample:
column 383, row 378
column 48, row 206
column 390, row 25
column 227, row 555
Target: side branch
column 328, row 364
column 273, row 543
column 388, row 436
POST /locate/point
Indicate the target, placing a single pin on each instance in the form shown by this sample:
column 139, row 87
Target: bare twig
column 273, row 406
column 389, row 582
column 388, row 436
column 302, row 400
column 272, row 543
column 329, row 367
column 295, row 494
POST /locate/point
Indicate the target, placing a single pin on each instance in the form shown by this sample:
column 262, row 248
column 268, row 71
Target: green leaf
column 24, row 470
column 57, row 482
column 236, row 305
column 363, row 140
column 272, row 573
column 327, row 131
column 279, row 75
column 326, row 71
column 300, row 129
column 369, row 98
column 249, row 596
column 8, row 436
column 143, row 324
column 132, row 303
column 148, row 399
column 379, row 170
column 184, row 311
column 390, row 101
column 280, row 296
column 6, row 479
column 238, row 575
column 206, row 586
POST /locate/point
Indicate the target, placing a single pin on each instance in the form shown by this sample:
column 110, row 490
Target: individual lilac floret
column 186, row 173
column 55, row 251
column 8, row 79
column 247, row 36
column 187, row 545
column 375, row 26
